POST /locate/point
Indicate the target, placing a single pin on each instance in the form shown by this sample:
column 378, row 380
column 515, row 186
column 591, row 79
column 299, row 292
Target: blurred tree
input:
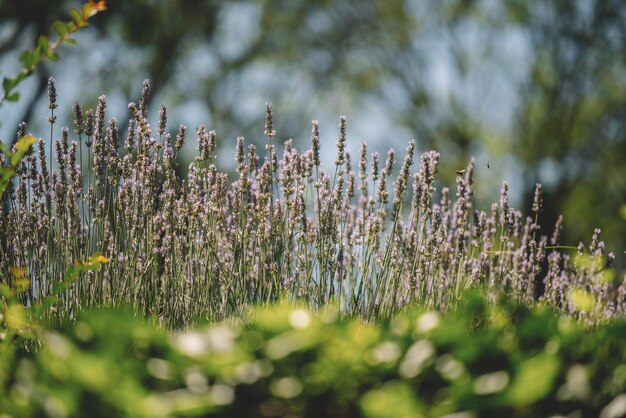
column 571, row 123
column 539, row 83
column 19, row 21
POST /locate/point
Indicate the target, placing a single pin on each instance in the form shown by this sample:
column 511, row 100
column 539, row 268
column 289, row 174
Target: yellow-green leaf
column 25, row 142
column 21, row 147
column 582, row 300
column 59, row 28
column 76, row 14
column 533, row 380
column 43, row 43
column 26, row 58
column 17, row 272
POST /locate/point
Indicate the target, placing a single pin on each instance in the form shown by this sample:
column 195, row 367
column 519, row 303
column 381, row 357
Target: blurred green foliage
column 486, row 359
column 31, row 59
column 13, row 159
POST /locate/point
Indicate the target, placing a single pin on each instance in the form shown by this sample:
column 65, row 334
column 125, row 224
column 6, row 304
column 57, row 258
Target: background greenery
column 535, row 89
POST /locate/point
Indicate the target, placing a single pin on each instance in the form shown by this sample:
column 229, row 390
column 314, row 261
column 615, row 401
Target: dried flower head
column 78, row 119
column 269, row 121
column 315, row 142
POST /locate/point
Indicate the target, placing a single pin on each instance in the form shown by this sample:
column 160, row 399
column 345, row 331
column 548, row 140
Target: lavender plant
column 209, row 245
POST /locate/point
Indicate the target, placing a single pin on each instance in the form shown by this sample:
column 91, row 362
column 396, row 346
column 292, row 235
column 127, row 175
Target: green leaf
column 533, row 380
column 582, row 300
column 391, row 401
column 76, row 14
column 58, row 287
column 15, row 159
column 21, row 76
column 24, row 143
column 59, row 28
column 43, row 43
column 26, row 58
column 38, row 308
column 36, row 55
column 5, row 290
column 13, row 97
column 72, row 272
column 22, row 146
column 49, row 301
column 7, row 174
column 8, row 84
column 87, row 9
column 53, row 56
column 70, row 41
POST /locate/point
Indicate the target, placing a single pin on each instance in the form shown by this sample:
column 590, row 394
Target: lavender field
column 368, row 240
column 372, row 234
